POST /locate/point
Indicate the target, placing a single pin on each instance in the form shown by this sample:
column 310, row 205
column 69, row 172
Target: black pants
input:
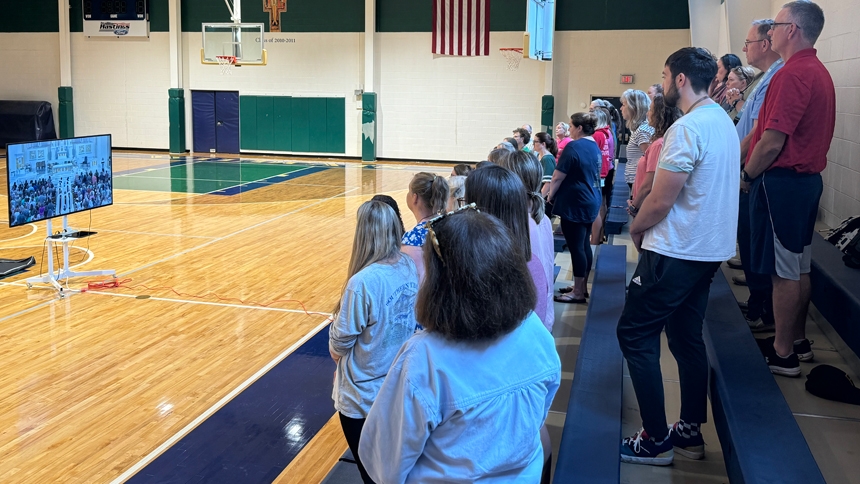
column 671, row 293
column 760, row 285
column 352, row 431
column 578, row 238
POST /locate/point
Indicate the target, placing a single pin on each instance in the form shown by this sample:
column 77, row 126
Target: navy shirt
column 578, row 197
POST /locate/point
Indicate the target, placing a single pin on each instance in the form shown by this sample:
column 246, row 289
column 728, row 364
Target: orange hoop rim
column 514, row 49
column 230, row 59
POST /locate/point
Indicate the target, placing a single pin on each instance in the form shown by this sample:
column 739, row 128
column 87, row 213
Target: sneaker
column 735, row 263
column 803, row 350
column 640, row 449
column 759, row 325
column 744, row 305
column 739, row 280
column 787, row 366
column 692, row 447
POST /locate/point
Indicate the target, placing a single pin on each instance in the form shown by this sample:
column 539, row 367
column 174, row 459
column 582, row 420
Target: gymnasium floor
column 228, row 269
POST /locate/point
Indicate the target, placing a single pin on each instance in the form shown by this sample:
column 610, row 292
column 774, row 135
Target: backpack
column 831, row 383
column 846, row 237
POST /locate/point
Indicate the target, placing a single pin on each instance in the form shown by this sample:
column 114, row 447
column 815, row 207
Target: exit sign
column 626, row 78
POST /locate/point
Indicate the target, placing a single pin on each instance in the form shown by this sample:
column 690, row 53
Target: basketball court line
column 150, row 233
column 23, row 236
column 131, row 471
column 259, row 224
column 204, row 303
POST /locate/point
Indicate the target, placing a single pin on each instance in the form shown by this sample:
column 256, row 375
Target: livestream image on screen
column 58, row 177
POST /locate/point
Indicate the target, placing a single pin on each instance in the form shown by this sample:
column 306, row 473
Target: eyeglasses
column 775, row 24
column 432, row 234
column 748, row 42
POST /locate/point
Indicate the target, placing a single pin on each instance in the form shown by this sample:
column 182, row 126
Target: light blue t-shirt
column 377, row 316
column 753, row 105
column 463, row 412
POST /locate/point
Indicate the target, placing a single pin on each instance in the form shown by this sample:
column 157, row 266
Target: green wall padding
column 336, row 125
column 265, row 123
column 67, row 112
column 297, row 124
column 283, row 123
column 176, row 109
column 417, row 16
column 547, row 112
column 622, row 15
column 301, row 15
column 248, row 122
column 368, row 126
column 301, row 130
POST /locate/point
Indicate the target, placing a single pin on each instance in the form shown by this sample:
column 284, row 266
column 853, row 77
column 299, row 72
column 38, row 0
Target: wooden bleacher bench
column 836, row 291
column 759, row 435
column 589, row 448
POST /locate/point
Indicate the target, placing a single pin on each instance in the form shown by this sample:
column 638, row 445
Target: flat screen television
column 53, row 178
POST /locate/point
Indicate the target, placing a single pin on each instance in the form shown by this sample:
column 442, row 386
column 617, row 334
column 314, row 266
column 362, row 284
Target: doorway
column 215, row 121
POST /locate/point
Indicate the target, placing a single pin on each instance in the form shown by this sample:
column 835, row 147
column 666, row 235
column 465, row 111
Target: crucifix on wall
column 275, row 9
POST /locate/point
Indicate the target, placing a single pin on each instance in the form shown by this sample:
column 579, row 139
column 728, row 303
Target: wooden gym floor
column 241, row 262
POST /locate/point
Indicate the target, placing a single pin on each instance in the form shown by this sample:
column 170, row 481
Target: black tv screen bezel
column 9, row 178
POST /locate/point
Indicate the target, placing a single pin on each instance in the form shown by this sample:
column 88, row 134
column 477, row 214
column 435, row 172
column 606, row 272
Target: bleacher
column 592, row 430
column 616, row 217
column 836, row 291
column 759, row 435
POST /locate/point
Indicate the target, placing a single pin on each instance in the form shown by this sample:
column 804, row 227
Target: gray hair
column 566, row 127
column 809, row 17
column 457, row 185
column 638, row 104
column 602, row 115
column 763, row 26
column 498, row 153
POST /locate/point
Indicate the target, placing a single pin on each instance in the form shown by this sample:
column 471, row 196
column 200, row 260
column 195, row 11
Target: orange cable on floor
column 120, row 284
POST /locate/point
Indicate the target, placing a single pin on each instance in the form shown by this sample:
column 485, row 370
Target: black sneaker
column 788, row 366
column 759, row 325
column 744, row 305
column 691, row 447
column 739, row 280
column 803, row 350
column 640, row 449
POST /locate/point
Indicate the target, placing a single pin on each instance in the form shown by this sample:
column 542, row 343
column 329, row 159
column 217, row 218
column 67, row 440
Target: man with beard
column 684, row 229
column 760, row 55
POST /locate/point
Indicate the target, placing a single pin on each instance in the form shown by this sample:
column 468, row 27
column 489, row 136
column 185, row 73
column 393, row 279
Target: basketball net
column 226, row 63
column 512, row 56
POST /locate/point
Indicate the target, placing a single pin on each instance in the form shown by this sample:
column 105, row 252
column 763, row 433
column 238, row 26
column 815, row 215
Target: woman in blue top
column 464, row 400
column 575, row 195
column 427, row 197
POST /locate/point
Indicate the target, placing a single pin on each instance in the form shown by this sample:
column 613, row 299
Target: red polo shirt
column 800, row 102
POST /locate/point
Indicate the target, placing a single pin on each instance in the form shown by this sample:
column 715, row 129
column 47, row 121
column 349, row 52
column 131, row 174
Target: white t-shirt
column 702, row 224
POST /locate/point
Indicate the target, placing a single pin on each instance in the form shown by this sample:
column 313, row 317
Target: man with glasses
column 787, row 153
column 760, row 55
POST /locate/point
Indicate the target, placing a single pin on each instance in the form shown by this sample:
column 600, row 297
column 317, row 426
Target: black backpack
column 846, row 238
column 831, row 383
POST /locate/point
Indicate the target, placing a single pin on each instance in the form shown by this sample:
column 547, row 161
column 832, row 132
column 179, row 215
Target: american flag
column 461, row 27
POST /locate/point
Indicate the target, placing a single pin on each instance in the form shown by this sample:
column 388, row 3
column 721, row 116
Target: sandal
column 569, row 299
column 568, row 289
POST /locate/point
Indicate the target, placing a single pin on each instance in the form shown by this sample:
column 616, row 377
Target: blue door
column 215, row 118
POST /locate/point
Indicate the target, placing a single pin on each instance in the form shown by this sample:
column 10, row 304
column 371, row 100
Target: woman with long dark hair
column 717, row 90
column 464, row 400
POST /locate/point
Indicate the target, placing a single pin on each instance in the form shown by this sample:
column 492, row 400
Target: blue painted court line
column 247, row 187
column 255, row 436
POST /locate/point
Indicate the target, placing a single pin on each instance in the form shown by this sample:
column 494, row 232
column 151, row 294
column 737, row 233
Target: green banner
column 368, row 126
column 67, row 112
column 176, row 106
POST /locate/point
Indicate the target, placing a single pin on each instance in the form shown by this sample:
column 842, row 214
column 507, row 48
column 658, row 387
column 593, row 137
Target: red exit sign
column 626, row 78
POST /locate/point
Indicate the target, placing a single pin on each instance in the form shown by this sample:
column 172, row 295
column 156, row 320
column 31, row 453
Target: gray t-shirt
column 702, row 224
column 377, row 316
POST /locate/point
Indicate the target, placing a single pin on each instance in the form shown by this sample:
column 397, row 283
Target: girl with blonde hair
column 373, row 318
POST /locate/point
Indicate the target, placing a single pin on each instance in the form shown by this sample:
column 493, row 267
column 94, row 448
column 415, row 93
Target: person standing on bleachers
column 684, row 229
column 373, row 318
column 759, row 52
column 788, row 152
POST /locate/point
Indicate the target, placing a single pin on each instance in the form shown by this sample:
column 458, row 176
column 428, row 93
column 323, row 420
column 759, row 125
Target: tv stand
column 65, row 237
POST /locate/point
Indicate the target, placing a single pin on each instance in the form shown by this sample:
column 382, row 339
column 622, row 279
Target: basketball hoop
column 513, row 56
column 226, row 62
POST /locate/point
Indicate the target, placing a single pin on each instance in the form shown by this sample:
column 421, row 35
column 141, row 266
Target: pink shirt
column 647, row 164
column 562, row 144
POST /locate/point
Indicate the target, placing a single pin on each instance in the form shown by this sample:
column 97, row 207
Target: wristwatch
column 745, row 176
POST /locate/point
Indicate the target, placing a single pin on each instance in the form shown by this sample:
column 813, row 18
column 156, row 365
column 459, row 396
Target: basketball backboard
column 540, row 29
column 243, row 41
